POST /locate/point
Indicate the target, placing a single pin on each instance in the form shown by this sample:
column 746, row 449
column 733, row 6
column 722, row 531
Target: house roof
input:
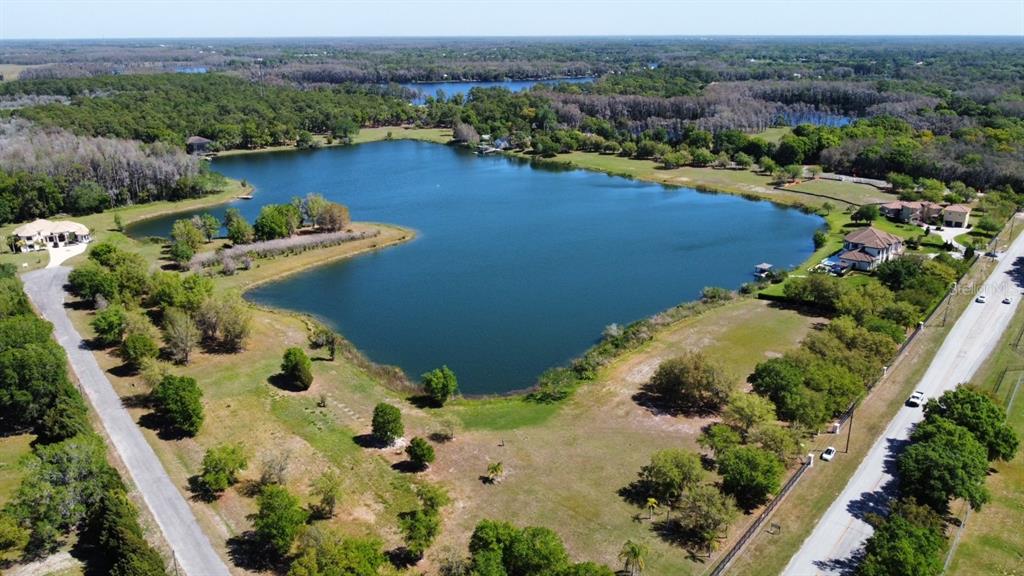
column 856, row 256
column 197, row 140
column 47, row 227
column 894, row 205
column 957, row 208
column 873, row 238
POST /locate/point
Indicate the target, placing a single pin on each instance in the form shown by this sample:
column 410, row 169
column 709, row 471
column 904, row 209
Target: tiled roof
column 873, row 238
column 46, row 227
column 856, row 255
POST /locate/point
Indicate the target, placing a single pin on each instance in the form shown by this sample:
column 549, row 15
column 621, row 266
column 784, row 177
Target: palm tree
column 495, row 471
column 652, row 505
column 634, row 557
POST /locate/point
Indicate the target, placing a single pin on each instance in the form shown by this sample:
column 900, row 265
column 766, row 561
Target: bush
column 136, row 348
column 690, row 383
column 420, row 452
column 278, row 519
column 387, row 423
column 109, row 325
column 297, row 368
column 440, row 384
column 221, row 466
column 179, row 399
column 670, row 474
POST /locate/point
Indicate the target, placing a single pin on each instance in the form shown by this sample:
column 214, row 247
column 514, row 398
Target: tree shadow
column 423, row 401
column 635, row 493
column 369, row 441
column 658, row 405
column 137, row 400
column 164, row 428
column 407, row 467
column 249, row 553
column 844, row 566
column 670, row 532
column 282, row 382
column 878, row 501
column 200, row 492
column 402, row 558
column 440, row 437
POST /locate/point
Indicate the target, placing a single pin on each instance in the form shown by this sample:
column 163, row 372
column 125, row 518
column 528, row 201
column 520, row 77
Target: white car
column 828, row 454
column 980, row 299
column 916, row 399
column 1006, row 300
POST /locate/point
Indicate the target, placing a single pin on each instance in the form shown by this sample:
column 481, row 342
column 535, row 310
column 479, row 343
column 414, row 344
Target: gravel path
column 194, row 554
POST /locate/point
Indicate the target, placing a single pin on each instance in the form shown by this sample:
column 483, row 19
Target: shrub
column 387, row 423
column 296, row 368
column 278, row 519
column 420, row 452
column 690, row 383
column 109, row 325
column 221, row 466
column 440, row 384
column 136, row 348
column 179, row 399
column 670, row 474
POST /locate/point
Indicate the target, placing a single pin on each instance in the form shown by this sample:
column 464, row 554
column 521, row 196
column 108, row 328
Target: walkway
column 194, row 553
column 840, row 534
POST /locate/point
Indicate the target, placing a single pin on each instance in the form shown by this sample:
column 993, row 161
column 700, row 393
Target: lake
column 452, row 88
column 516, row 268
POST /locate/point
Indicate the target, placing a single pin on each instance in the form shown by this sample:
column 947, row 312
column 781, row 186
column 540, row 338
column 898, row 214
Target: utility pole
column 849, row 430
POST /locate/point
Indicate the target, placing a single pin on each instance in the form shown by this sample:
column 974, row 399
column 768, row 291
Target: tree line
column 68, row 485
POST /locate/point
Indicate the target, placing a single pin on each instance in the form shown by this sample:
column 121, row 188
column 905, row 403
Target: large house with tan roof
column 915, row 211
column 956, row 216
column 42, row 234
column 866, row 248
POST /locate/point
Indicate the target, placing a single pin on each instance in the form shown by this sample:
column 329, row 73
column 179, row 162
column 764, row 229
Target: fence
column 751, row 530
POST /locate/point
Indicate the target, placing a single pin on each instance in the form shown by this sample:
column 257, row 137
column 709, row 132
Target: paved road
column 841, row 532
column 195, row 555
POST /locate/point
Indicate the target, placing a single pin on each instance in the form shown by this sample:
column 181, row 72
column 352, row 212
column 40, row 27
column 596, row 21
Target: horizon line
column 518, row 36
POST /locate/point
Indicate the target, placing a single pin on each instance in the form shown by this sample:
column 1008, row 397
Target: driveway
column 193, row 552
column 840, row 534
column 59, row 255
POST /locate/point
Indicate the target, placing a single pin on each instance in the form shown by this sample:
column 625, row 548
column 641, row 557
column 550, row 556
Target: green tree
column 136, row 348
column 704, row 515
column 691, row 383
column 313, row 206
column 670, row 474
column 633, row 556
column 718, row 438
column 327, row 487
column 324, row 552
column 750, row 474
column 179, row 399
column 746, row 411
column 909, row 542
column 979, row 414
column 276, row 221
column 221, row 465
column 185, row 240
column 208, row 226
column 701, row 157
column 440, row 384
column 943, row 461
column 743, row 160
column 387, row 423
column 238, row 228
column 278, row 519
column 866, row 213
column 297, row 368
column 535, row 551
column 109, row 325
column 180, row 334
column 420, row 452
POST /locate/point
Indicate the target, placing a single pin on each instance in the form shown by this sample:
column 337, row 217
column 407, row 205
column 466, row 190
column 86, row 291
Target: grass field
column 13, row 71
column 774, row 134
column 12, row 450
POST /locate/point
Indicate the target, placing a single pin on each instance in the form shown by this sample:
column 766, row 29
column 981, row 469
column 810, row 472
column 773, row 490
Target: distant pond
column 516, row 268
column 450, row 89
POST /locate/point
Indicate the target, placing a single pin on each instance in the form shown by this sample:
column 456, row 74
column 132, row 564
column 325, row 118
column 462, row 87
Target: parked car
column 916, row 399
column 980, row 299
column 828, row 454
column 1006, row 300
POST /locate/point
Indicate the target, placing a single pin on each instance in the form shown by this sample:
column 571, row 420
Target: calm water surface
column 516, row 268
column 452, row 88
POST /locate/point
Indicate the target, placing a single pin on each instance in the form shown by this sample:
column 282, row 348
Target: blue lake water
column 516, row 268
column 452, row 88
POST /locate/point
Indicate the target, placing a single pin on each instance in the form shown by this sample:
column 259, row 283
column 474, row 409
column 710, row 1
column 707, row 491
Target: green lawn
column 845, row 191
column 12, row 450
column 774, row 134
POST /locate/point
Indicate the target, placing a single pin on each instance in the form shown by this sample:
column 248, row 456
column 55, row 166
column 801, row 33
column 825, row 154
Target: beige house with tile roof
column 956, row 216
column 866, row 248
column 42, row 234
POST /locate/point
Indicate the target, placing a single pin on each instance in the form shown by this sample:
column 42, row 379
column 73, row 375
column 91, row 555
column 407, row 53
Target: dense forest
column 950, row 111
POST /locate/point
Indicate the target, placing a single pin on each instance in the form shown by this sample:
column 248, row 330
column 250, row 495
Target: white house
column 42, row 234
column 956, row 216
column 868, row 247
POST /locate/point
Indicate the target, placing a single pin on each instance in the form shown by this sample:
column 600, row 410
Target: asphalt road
column 194, row 554
column 840, row 534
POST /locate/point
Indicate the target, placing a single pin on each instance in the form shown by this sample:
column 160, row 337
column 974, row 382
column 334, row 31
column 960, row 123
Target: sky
column 108, row 19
